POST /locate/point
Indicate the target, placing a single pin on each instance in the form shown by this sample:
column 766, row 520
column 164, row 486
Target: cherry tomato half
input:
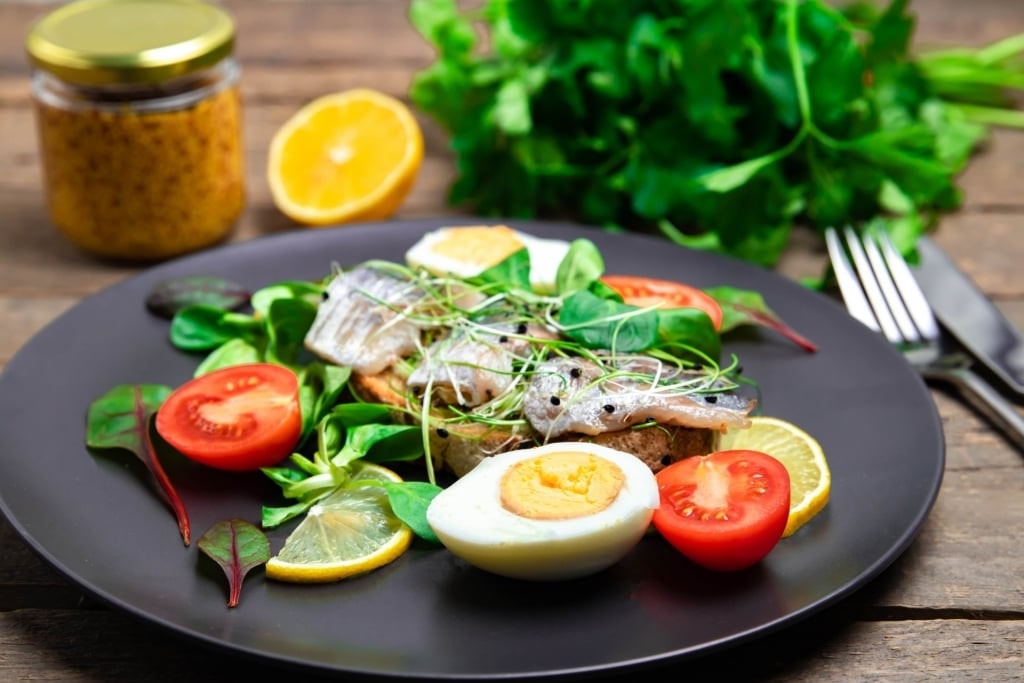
column 241, row 417
column 724, row 511
column 646, row 291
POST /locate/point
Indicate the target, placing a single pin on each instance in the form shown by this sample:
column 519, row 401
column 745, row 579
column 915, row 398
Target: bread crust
column 459, row 448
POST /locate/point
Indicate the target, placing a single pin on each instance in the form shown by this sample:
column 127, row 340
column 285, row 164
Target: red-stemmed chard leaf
column 121, row 418
column 238, row 547
column 745, row 307
column 170, row 296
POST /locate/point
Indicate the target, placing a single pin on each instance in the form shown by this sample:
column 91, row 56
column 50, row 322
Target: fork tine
column 887, row 283
column 869, row 281
column 849, row 284
column 917, row 305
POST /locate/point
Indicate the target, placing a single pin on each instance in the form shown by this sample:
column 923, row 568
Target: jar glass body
column 143, row 171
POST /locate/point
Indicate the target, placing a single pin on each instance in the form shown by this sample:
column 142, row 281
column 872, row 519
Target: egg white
column 545, row 257
column 471, row 522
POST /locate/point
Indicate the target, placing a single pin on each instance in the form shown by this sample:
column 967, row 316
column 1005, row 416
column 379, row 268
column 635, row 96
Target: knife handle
column 987, row 400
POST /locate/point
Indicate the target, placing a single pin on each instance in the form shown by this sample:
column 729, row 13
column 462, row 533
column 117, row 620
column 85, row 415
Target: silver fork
column 879, row 290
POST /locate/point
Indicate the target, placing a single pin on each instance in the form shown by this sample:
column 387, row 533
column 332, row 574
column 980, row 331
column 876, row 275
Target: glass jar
column 139, row 120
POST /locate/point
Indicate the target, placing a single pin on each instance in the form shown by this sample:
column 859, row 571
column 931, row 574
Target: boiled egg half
column 558, row 511
column 465, row 251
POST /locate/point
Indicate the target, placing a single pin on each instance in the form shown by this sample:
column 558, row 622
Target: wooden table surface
column 952, row 605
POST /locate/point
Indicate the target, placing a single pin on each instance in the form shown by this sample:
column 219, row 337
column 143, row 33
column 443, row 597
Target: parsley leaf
column 721, row 124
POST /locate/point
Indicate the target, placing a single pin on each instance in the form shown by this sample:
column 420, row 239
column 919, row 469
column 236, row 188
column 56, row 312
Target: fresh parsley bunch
column 719, row 123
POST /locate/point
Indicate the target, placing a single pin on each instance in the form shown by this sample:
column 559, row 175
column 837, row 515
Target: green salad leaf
column 121, row 420
column 353, row 432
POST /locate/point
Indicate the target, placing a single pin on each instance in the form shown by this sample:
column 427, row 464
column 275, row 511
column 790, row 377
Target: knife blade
column 970, row 316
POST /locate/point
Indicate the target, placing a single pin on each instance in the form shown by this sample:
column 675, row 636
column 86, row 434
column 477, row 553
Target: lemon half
column 345, row 157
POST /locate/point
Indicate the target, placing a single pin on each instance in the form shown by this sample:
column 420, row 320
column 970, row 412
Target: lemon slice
column 344, row 157
column 810, row 479
column 351, row 531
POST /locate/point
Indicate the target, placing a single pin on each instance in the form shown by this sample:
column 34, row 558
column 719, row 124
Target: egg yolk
column 484, row 245
column 561, row 485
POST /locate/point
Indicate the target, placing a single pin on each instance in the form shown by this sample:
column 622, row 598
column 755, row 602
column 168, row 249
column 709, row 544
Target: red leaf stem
column 777, row 325
column 153, row 463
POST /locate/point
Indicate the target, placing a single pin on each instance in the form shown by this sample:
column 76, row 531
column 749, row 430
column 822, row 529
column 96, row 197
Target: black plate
column 99, row 522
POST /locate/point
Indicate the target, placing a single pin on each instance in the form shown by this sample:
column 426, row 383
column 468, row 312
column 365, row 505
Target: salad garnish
column 584, row 318
column 238, row 547
column 122, row 419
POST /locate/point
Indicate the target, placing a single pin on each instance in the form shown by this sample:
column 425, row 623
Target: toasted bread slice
column 459, row 447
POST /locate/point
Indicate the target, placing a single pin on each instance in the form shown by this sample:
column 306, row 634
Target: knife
column 970, row 317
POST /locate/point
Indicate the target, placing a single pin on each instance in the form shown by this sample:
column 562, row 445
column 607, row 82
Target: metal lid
column 97, row 42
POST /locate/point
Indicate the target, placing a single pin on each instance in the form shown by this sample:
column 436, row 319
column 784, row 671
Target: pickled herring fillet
column 475, row 364
column 578, row 395
column 465, row 372
column 361, row 322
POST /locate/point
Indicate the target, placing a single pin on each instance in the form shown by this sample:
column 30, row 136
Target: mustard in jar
column 139, row 119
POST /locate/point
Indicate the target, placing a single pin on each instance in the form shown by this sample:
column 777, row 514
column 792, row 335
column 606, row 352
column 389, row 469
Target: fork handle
column 986, row 399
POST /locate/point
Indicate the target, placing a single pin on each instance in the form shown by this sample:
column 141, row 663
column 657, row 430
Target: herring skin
column 362, row 323
column 577, row 395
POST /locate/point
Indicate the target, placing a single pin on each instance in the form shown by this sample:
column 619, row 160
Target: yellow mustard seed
column 144, row 185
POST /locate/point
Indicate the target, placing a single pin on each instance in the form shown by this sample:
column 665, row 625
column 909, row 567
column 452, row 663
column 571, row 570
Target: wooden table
column 952, row 605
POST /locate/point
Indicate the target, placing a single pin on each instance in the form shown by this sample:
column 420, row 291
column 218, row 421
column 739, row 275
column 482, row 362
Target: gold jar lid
column 100, row 42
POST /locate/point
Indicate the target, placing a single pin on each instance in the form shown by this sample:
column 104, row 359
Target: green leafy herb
column 281, row 315
column 287, row 321
column 274, row 333
column 320, row 387
column 292, row 289
column 582, row 265
column 170, row 296
column 237, row 351
column 597, row 318
column 688, row 331
column 719, row 124
column 512, row 272
column 238, row 547
column 409, row 501
column 352, row 432
column 203, row 327
column 599, row 323
column 121, row 419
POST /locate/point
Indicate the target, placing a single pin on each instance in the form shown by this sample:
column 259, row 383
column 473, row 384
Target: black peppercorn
column 555, row 400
